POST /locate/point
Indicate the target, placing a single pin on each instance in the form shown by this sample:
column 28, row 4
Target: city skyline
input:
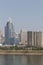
column 27, row 14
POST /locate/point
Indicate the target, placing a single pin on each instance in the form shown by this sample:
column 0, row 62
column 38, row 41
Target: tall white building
column 23, row 34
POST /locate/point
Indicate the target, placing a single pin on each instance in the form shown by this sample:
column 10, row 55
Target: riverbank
column 21, row 52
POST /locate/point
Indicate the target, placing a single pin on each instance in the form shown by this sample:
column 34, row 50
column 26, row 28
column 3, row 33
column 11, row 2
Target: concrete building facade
column 35, row 38
column 23, row 36
column 32, row 38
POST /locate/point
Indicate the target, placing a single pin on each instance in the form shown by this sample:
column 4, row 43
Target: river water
column 20, row 60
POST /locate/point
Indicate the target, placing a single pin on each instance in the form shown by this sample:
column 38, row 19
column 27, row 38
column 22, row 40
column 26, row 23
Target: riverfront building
column 9, row 33
column 23, row 36
column 31, row 38
column 35, row 38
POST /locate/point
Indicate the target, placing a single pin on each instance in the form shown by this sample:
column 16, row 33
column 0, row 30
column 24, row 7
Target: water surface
column 20, row 60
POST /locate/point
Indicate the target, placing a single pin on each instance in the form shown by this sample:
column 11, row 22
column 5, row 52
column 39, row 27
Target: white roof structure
column 9, row 19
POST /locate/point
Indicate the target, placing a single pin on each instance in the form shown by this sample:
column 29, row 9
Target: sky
column 25, row 14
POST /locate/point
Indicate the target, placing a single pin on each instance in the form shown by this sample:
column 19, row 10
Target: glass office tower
column 9, row 33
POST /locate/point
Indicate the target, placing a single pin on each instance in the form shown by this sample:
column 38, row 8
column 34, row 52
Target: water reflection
column 2, row 60
column 20, row 60
column 35, row 60
column 8, row 60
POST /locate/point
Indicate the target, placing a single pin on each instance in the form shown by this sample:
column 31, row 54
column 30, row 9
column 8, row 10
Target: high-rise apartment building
column 29, row 38
column 35, row 38
column 39, row 39
column 9, row 33
column 23, row 36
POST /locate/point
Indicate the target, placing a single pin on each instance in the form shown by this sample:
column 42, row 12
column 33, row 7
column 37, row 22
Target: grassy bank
column 21, row 50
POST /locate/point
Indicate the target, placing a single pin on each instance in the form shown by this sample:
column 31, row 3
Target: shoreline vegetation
column 21, row 50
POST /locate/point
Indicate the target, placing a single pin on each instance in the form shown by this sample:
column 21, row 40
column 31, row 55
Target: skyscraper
column 23, row 34
column 9, row 33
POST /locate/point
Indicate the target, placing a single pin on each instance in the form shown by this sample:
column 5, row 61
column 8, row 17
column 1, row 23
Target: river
column 21, row 60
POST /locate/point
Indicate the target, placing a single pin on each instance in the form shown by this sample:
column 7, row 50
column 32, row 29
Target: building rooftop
column 9, row 20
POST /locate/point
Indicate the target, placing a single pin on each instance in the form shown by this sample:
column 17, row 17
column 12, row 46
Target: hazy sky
column 26, row 14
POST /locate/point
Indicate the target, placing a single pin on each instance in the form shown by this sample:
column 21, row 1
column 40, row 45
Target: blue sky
column 26, row 14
